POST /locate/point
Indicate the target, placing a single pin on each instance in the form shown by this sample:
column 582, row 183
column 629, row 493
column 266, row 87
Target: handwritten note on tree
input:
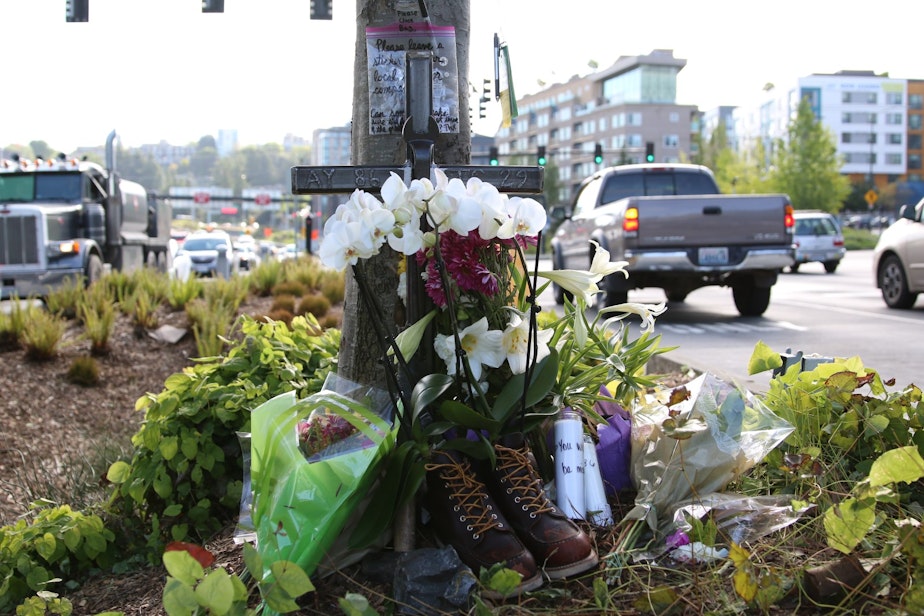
column 387, row 48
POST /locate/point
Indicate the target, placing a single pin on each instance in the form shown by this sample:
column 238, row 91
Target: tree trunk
column 360, row 354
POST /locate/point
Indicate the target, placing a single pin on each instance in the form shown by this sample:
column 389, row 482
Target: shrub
column 84, row 371
column 185, row 477
column 13, row 323
column 181, row 292
column 281, row 315
column 41, row 335
column 59, row 544
column 290, row 287
column 333, row 286
column 65, row 298
column 315, row 304
column 98, row 316
column 142, row 307
column 266, row 276
column 331, row 321
column 283, row 302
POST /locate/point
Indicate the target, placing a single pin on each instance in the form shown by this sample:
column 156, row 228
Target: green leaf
column 291, row 578
column 847, row 523
column 428, row 390
column 179, row 599
column 168, row 447
column 466, row 417
column 181, row 565
column 354, row 604
column 902, row 464
column 253, row 561
column 119, row 472
column 764, row 358
column 45, row 546
column 216, row 592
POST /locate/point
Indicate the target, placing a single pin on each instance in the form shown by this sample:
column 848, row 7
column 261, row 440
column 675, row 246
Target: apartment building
column 623, row 108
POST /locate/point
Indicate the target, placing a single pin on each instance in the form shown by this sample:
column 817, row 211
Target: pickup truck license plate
column 713, row 256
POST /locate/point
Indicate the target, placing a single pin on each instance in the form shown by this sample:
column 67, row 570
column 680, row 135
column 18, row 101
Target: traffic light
column 77, row 11
column 598, row 153
column 213, row 6
column 649, row 152
column 540, row 156
column 482, row 112
column 493, row 156
column 321, row 9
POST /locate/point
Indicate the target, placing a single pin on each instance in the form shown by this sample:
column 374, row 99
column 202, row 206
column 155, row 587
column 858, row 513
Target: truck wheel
column 675, row 297
column 94, row 269
column 750, row 300
column 894, row 284
column 793, row 268
column 831, row 266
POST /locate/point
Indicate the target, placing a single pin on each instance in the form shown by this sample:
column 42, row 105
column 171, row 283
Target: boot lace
column 516, row 470
column 468, row 494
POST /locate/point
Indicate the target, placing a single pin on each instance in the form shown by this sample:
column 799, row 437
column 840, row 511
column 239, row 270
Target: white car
column 209, row 252
column 898, row 259
column 246, row 254
column 817, row 238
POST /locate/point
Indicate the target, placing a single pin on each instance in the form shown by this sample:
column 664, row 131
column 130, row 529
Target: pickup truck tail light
column 630, row 220
column 788, row 220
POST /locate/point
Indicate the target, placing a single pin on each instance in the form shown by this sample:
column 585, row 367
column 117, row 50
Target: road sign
column 346, row 179
column 201, row 197
column 229, row 211
column 871, row 197
column 262, row 199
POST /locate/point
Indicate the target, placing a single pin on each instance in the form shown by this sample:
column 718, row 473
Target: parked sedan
column 898, row 258
column 817, row 238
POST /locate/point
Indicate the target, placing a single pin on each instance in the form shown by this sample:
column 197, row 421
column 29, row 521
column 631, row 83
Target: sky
column 158, row 70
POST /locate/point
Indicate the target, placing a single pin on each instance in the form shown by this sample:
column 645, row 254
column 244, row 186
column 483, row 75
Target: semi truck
column 63, row 219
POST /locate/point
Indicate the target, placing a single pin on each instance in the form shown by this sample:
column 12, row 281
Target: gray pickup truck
column 677, row 233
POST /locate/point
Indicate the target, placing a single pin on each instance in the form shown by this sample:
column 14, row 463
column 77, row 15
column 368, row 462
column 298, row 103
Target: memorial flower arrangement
column 468, row 241
column 499, row 365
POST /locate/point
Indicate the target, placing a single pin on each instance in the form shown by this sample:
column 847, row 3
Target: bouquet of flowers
column 498, row 367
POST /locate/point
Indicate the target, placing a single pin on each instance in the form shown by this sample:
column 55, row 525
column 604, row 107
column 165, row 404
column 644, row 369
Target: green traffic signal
column 492, row 157
column 598, row 153
column 540, row 156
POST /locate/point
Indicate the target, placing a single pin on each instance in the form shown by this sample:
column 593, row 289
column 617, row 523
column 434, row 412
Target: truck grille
column 18, row 240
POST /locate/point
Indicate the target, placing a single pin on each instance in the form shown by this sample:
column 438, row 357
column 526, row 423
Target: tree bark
column 360, row 355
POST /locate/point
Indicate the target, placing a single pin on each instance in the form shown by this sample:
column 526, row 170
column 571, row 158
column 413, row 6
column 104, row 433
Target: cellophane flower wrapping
column 736, row 431
column 305, row 490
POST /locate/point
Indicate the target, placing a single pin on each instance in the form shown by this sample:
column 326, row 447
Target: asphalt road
column 835, row 315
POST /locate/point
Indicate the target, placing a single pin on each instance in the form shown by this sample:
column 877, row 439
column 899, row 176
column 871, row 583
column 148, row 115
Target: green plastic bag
column 300, row 507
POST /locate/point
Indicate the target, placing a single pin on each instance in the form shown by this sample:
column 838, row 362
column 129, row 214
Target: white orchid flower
column 526, row 217
column 516, row 342
column 483, row 347
column 647, row 312
column 345, row 243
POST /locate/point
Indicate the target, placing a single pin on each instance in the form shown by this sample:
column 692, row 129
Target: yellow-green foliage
column 332, row 284
column 142, row 308
column 13, row 323
column 84, row 371
column 64, row 299
column 153, row 282
column 41, row 335
column 266, row 276
column 283, row 302
column 290, row 287
column 181, row 292
column 98, row 314
column 314, row 303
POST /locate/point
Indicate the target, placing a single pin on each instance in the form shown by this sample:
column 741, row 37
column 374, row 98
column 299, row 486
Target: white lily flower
column 516, row 342
column 582, row 284
column 602, row 264
column 481, row 345
column 647, row 312
column 527, row 217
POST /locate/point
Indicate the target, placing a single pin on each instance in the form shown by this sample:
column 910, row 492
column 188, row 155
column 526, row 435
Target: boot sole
column 580, row 566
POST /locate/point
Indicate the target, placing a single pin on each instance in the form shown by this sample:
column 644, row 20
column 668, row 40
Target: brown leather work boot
column 464, row 516
column 559, row 546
